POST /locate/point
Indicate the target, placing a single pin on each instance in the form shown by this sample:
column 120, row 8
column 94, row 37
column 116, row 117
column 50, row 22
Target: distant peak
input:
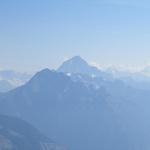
column 75, row 64
column 77, row 58
column 44, row 72
column 78, row 65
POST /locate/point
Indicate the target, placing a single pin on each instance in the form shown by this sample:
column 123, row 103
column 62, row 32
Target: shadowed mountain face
column 79, row 65
column 54, row 89
column 71, row 113
column 16, row 134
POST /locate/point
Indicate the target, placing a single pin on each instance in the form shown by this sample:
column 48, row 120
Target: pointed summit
column 78, row 59
column 74, row 65
column 46, row 78
column 78, row 65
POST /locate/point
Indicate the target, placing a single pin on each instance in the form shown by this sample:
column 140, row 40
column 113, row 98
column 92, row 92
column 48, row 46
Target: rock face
column 16, row 134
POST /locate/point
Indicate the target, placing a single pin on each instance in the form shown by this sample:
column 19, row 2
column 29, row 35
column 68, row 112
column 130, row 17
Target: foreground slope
column 16, row 134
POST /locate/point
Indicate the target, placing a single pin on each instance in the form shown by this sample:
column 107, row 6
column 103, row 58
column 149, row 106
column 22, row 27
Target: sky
column 36, row 34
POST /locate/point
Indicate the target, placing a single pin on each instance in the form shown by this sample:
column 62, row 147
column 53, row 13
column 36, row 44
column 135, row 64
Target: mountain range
column 10, row 79
column 82, row 108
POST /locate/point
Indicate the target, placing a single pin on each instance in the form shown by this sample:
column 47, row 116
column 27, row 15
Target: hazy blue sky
column 35, row 34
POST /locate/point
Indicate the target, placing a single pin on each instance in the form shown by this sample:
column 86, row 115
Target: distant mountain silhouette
column 10, row 74
column 79, row 65
column 16, row 134
column 10, row 79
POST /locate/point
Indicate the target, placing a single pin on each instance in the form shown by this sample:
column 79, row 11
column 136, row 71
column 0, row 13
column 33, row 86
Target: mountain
column 115, row 82
column 82, row 112
column 16, row 134
column 77, row 65
column 129, row 99
column 10, row 79
column 52, row 87
column 70, row 112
